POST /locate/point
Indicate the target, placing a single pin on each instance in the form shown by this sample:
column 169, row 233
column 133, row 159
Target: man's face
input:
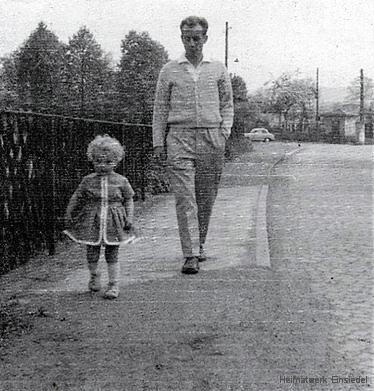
column 193, row 40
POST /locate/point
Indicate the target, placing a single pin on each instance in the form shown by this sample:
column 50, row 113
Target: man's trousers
column 195, row 163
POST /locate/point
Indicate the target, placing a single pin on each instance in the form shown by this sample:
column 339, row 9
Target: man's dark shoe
column 191, row 266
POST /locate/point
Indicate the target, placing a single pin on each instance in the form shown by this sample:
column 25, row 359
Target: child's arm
column 70, row 208
column 128, row 202
column 74, row 203
column 129, row 206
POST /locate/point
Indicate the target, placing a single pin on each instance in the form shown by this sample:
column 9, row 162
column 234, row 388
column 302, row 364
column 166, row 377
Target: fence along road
column 42, row 160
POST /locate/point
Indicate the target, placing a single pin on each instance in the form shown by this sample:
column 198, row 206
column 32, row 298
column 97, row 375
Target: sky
column 267, row 37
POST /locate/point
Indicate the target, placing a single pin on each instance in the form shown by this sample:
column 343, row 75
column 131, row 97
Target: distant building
column 343, row 124
column 339, row 124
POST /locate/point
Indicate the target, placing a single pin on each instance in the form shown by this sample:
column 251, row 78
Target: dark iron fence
column 42, row 160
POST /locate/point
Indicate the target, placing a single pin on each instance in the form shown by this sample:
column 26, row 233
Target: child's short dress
column 97, row 210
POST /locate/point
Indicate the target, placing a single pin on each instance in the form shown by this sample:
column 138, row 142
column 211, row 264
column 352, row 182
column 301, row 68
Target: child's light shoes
column 94, row 284
column 112, row 291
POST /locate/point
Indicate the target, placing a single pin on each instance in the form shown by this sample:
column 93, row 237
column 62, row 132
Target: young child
column 100, row 212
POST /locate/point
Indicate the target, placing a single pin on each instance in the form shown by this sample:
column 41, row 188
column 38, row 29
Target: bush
column 237, row 146
column 156, row 178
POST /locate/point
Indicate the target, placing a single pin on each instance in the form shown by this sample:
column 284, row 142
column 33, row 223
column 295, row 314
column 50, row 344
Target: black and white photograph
column 186, row 195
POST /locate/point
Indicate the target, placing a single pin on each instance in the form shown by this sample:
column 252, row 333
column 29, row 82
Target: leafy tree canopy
column 287, row 91
column 239, row 88
column 39, row 54
column 141, row 61
column 8, row 82
column 38, row 67
column 87, row 75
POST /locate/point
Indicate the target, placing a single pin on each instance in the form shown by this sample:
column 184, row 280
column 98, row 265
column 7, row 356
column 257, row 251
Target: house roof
column 338, row 113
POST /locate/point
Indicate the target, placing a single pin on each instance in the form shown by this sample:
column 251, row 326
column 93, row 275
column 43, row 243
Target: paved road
column 320, row 228
column 236, row 325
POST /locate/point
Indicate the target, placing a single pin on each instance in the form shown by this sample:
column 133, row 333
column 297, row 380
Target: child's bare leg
column 111, row 256
column 93, row 255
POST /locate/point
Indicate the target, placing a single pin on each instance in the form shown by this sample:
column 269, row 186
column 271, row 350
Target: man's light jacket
column 190, row 97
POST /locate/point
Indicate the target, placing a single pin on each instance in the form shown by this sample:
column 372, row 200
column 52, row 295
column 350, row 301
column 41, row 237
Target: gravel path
column 236, row 325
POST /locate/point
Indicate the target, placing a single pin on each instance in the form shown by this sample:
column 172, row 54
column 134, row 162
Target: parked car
column 260, row 134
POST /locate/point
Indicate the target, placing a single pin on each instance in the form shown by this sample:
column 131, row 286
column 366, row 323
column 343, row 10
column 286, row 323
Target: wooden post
column 317, row 103
column 52, row 191
column 125, row 148
column 144, row 150
column 226, row 44
column 360, row 126
column 362, row 96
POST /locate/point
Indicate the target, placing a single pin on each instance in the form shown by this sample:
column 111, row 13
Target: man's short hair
column 192, row 21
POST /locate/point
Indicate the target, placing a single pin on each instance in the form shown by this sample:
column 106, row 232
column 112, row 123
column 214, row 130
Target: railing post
column 51, row 225
column 143, row 162
column 4, row 249
column 125, row 147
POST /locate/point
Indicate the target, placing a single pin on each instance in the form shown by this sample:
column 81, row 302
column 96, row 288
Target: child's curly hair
column 105, row 145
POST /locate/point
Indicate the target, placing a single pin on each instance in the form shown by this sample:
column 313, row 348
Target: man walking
column 194, row 110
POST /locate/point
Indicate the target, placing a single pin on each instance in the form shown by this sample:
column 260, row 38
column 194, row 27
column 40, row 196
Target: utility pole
column 226, row 43
column 360, row 126
column 362, row 95
column 317, row 100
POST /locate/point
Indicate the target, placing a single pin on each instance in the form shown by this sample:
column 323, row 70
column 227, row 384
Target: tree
column 291, row 97
column 8, row 82
column 141, row 61
column 259, row 106
column 239, row 88
column 87, row 76
column 242, row 118
column 242, row 115
column 354, row 91
column 39, row 63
